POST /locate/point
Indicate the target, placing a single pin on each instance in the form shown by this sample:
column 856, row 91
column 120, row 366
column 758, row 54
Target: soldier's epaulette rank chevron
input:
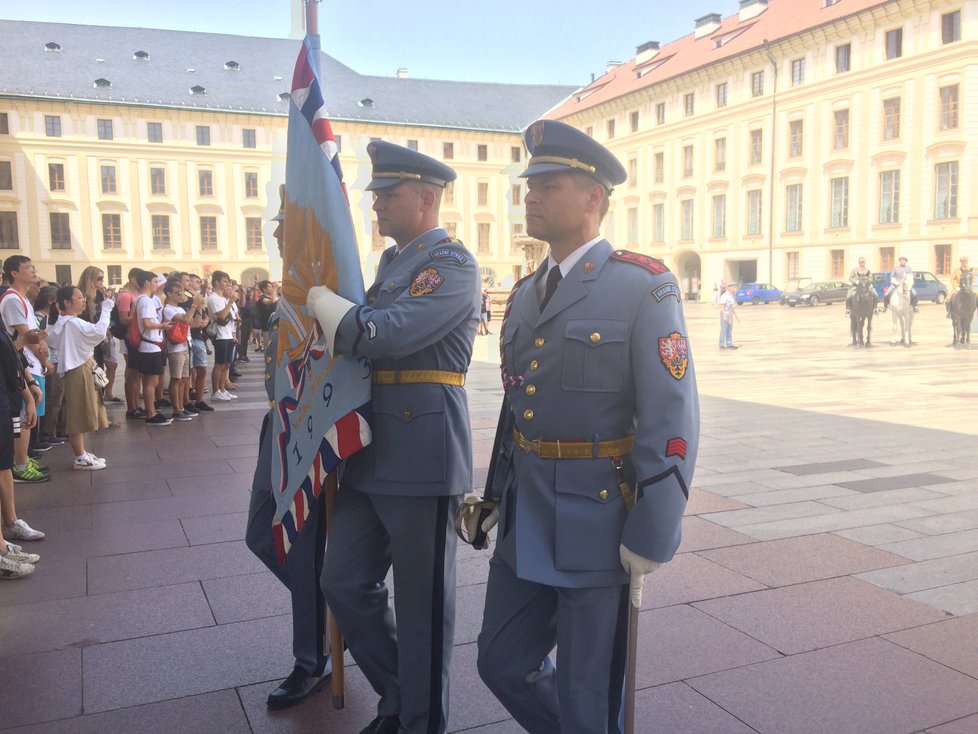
column 653, row 265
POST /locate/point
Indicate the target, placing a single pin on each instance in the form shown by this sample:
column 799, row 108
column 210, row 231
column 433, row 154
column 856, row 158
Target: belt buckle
column 531, row 446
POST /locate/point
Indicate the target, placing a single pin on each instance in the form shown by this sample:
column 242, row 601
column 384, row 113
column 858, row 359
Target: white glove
column 638, row 567
column 328, row 308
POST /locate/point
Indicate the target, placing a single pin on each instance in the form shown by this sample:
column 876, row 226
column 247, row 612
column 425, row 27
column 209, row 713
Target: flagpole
column 336, row 648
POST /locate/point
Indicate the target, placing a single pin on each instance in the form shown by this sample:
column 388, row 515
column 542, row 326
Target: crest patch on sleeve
column 425, row 282
column 665, row 291
column 448, row 252
column 674, row 352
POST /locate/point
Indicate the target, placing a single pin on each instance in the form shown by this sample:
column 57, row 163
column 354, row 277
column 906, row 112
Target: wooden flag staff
column 338, row 680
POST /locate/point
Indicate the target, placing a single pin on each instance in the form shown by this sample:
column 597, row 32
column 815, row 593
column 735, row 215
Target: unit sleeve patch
column 674, row 352
column 425, row 282
column 665, row 291
column 447, row 252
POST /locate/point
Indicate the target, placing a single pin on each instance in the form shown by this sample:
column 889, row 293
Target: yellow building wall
column 82, row 153
column 926, row 65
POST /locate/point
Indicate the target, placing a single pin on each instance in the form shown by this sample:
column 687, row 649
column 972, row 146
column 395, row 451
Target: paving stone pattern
column 827, row 581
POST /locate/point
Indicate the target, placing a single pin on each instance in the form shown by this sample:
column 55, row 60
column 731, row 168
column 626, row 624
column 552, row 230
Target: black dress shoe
column 297, row 686
column 383, row 725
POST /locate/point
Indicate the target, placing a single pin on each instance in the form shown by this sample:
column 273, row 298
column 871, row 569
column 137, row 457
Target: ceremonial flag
column 322, row 402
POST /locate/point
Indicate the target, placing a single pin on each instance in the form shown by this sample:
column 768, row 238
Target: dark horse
column 961, row 309
column 861, row 311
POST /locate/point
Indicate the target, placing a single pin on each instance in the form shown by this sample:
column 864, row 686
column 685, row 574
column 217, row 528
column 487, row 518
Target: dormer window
column 197, row 89
column 366, row 102
column 284, row 97
column 141, row 56
column 232, row 65
column 102, row 84
column 52, row 46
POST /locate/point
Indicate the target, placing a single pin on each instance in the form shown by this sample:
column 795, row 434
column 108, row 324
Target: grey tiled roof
column 103, row 52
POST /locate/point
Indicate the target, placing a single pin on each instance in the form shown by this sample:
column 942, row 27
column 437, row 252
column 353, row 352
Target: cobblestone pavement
column 827, row 581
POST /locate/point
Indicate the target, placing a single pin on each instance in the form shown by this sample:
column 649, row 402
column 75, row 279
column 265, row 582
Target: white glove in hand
column 328, row 309
column 315, row 293
column 638, row 567
column 491, row 519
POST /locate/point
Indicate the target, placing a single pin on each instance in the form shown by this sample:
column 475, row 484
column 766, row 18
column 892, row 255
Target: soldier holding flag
column 397, row 496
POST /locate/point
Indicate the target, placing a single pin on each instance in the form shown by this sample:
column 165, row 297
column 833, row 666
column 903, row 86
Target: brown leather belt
column 416, row 377
column 574, row 449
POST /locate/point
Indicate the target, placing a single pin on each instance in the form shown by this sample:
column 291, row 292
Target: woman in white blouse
column 76, row 340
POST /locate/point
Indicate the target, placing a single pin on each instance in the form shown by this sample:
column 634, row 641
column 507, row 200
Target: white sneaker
column 88, row 462
column 230, row 395
column 12, row 569
column 20, row 530
column 16, row 553
column 220, row 396
column 96, row 459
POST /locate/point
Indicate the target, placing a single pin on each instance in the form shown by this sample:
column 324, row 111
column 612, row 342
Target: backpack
column 133, row 333
column 116, row 327
column 177, row 332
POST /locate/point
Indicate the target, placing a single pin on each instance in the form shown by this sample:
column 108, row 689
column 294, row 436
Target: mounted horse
column 902, row 312
column 961, row 309
column 861, row 311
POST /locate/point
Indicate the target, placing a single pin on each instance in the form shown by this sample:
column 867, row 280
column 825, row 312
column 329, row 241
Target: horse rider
column 860, row 271
column 900, row 272
column 956, row 280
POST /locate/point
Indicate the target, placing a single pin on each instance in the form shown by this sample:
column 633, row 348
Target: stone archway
column 689, row 273
column 253, row 275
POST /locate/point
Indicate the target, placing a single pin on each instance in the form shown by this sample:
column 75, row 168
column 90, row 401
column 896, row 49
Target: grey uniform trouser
column 405, row 653
column 302, row 571
column 522, row 623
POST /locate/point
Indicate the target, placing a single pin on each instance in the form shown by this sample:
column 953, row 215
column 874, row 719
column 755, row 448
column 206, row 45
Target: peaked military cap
column 281, row 207
column 554, row 146
column 394, row 164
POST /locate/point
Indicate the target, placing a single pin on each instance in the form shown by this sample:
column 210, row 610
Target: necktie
column 553, row 278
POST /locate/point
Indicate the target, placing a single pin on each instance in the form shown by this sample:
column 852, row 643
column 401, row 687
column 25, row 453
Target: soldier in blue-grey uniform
column 595, row 452
column 302, row 570
column 397, row 497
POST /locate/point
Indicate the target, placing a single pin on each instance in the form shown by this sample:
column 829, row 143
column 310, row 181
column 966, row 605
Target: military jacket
column 608, row 358
column 422, row 313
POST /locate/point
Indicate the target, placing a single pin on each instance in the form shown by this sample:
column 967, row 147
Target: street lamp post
column 774, row 148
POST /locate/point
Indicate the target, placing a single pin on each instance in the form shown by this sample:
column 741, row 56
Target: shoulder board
column 653, row 265
column 442, row 253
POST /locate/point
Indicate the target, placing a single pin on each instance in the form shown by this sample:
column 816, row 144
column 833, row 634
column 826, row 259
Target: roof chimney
column 402, row 72
column 751, row 9
column 706, row 25
column 612, row 65
column 298, row 26
column 646, row 52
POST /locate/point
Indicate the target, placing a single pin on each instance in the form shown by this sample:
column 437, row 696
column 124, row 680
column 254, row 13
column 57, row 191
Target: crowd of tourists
column 60, row 350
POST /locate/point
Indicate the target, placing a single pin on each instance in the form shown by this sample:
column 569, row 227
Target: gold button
column 539, row 342
column 407, row 415
column 534, row 364
column 268, row 359
column 531, row 389
column 528, row 414
column 603, row 494
column 595, row 338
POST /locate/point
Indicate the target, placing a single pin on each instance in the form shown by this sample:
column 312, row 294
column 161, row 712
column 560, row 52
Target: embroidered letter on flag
column 322, row 402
